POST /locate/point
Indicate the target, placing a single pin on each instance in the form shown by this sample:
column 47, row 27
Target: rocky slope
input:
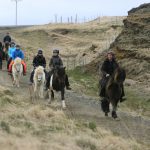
column 132, row 46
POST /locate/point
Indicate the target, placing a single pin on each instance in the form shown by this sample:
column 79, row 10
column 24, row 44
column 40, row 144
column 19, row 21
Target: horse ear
column 65, row 67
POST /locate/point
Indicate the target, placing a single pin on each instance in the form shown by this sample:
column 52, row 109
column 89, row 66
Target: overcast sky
column 43, row 11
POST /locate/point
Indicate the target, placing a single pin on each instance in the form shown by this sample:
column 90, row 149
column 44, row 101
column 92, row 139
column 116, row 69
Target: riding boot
column 102, row 92
column 67, row 83
column 31, row 76
column 48, row 81
column 8, row 63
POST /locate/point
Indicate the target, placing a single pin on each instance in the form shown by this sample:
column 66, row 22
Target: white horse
column 39, row 82
column 17, row 71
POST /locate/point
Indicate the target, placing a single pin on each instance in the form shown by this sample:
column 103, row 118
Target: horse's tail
column 105, row 105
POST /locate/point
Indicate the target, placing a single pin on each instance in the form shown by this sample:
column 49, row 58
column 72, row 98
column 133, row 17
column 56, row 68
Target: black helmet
column 12, row 43
column 40, row 52
column 56, row 51
column 17, row 46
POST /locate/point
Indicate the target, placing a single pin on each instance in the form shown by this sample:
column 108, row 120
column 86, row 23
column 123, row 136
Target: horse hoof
column 106, row 114
column 63, row 104
column 114, row 115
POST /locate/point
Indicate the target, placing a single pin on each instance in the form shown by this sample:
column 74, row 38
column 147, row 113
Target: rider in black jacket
column 38, row 60
column 56, row 61
column 108, row 68
column 7, row 38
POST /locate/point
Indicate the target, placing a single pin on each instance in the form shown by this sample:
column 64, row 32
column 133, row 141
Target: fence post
column 61, row 19
column 68, row 20
column 55, row 18
column 76, row 19
column 71, row 21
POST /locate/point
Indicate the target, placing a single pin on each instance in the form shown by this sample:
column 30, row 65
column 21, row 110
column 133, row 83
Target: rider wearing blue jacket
column 17, row 53
column 10, row 52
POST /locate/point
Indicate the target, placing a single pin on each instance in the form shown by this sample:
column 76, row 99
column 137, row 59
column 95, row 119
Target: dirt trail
column 86, row 108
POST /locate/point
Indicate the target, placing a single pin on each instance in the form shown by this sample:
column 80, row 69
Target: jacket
column 55, row 61
column 39, row 61
column 7, row 38
column 17, row 53
column 10, row 51
column 108, row 67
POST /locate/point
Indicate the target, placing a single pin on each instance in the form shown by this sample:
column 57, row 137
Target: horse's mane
column 61, row 71
column 17, row 60
column 38, row 70
column 113, row 79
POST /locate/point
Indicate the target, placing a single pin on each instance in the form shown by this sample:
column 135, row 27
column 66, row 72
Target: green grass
column 86, row 144
column 5, row 126
column 88, row 81
column 136, row 99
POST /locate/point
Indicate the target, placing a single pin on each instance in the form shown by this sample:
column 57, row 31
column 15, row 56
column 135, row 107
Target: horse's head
column 17, row 64
column 39, row 72
column 60, row 74
column 119, row 75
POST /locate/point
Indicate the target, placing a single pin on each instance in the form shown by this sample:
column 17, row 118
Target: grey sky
column 43, row 11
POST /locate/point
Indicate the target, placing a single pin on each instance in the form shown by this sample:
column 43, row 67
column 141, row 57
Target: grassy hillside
column 24, row 125
column 72, row 39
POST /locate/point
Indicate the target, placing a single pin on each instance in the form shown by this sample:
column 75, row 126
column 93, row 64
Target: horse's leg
column 18, row 79
column 35, row 90
column 114, row 105
column 42, row 90
column 62, row 94
column 52, row 95
column 14, row 79
column 63, row 98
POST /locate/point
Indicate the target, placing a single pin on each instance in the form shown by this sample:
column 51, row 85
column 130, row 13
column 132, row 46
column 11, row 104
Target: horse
column 114, row 88
column 6, row 47
column 39, row 82
column 57, row 83
column 17, row 71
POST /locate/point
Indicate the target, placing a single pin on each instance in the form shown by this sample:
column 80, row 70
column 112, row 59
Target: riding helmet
column 12, row 43
column 17, row 46
column 56, row 51
column 40, row 51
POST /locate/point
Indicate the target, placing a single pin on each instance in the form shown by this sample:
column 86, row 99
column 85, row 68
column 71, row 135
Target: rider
column 38, row 60
column 18, row 53
column 56, row 61
column 108, row 68
column 7, row 38
column 10, row 52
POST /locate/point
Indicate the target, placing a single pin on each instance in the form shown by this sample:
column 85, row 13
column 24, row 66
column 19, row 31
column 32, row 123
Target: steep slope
column 132, row 45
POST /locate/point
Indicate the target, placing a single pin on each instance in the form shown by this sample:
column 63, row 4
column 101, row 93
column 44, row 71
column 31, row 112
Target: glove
column 107, row 75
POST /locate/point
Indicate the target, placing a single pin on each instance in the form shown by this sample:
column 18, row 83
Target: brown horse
column 6, row 48
column 114, row 88
column 57, row 83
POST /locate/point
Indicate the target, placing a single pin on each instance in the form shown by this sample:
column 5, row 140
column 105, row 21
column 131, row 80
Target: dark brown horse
column 114, row 88
column 57, row 83
column 6, row 48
